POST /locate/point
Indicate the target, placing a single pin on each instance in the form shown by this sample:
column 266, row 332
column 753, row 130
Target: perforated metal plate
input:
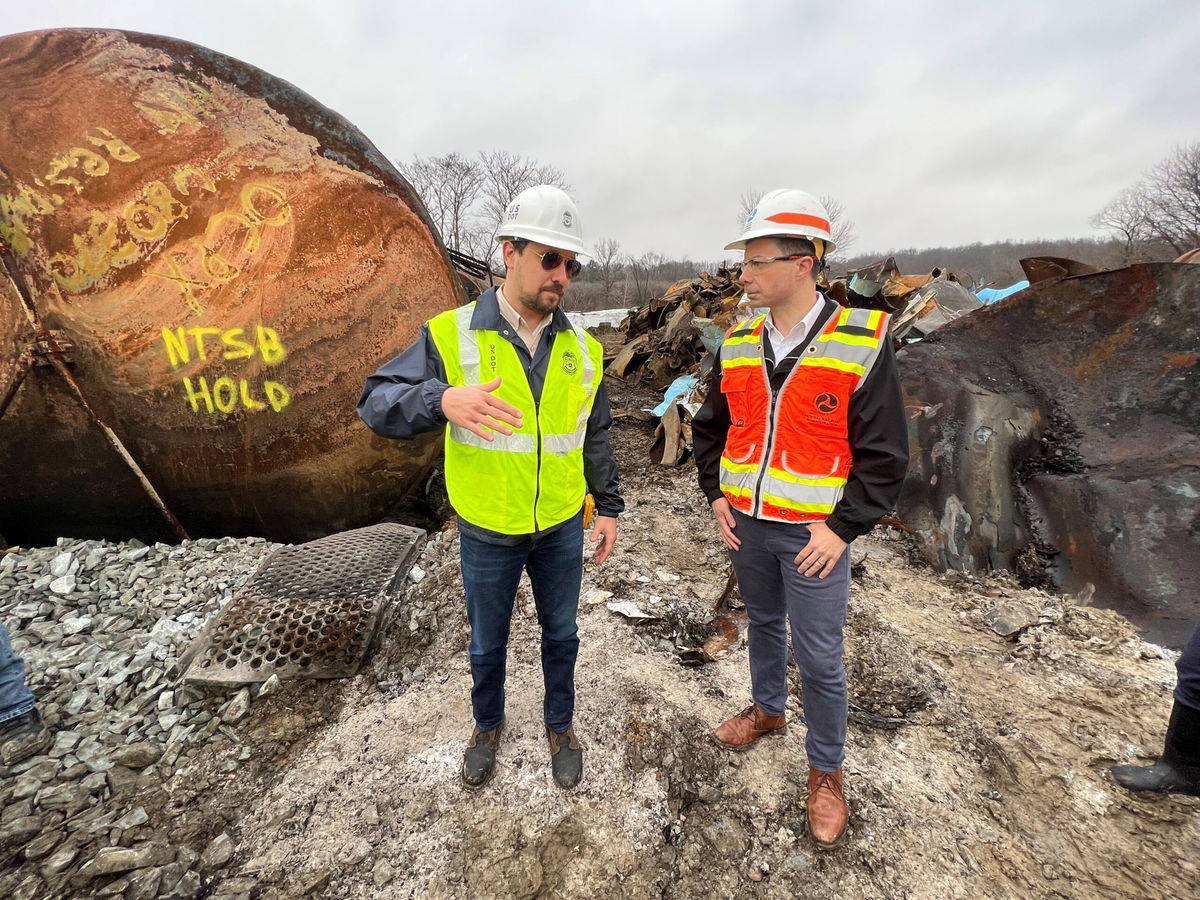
column 310, row 611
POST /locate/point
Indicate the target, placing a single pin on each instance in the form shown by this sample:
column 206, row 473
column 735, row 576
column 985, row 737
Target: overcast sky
column 934, row 122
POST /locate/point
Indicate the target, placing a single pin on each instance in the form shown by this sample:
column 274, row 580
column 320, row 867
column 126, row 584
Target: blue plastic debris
column 682, row 385
column 994, row 295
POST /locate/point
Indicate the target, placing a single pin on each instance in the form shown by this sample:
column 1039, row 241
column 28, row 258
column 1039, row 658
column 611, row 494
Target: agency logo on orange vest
column 826, row 403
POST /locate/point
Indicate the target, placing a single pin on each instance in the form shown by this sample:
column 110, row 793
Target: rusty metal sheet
column 226, row 260
column 310, row 611
column 1043, row 268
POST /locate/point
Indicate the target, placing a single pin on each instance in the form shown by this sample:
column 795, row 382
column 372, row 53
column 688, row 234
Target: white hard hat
column 786, row 213
column 544, row 214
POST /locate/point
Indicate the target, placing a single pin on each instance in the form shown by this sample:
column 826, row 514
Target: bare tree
column 642, row 270
column 747, row 202
column 1128, row 214
column 1163, row 208
column 450, row 186
column 840, row 227
column 505, row 175
column 606, row 254
column 466, row 198
column 1173, row 192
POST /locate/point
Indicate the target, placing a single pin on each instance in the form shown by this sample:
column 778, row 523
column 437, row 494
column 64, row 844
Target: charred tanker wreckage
column 1054, row 433
column 199, row 264
column 1058, row 432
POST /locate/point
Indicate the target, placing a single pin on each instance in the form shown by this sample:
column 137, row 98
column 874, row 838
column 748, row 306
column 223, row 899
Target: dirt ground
column 977, row 764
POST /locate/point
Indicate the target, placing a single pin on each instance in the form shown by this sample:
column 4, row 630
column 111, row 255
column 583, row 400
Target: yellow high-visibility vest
column 532, row 479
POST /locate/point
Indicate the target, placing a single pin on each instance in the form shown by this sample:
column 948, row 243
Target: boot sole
column 742, row 747
column 821, row 845
column 476, row 787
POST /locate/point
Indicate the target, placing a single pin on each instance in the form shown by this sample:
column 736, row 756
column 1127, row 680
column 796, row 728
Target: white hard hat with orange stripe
column 791, row 213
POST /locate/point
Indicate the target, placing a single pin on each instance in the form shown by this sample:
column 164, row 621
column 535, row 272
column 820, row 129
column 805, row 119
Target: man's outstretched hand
column 475, row 409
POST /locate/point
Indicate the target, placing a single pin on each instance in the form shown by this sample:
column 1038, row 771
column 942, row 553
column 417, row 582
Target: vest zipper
column 772, row 422
column 769, row 443
column 537, row 480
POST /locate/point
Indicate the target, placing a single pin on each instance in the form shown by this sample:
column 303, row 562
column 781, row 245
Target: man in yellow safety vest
column 520, row 393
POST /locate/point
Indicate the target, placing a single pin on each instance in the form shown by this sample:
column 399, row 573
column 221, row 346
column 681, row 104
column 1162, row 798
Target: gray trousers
column 775, row 592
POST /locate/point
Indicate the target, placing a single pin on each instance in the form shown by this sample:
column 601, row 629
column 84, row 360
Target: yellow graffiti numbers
column 184, row 173
column 97, row 250
column 117, row 148
column 184, row 283
column 229, row 237
column 106, row 244
column 86, row 161
column 18, row 211
column 255, row 196
column 185, row 104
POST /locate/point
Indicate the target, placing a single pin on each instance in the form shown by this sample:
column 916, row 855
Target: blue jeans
column 15, row 699
column 775, row 595
column 491, row 573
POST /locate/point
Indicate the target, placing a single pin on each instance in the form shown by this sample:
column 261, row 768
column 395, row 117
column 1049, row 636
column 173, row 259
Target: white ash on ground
column 977, row 761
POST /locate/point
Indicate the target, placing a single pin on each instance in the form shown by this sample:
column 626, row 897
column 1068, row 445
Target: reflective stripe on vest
column 787, row 457
column 532, row 479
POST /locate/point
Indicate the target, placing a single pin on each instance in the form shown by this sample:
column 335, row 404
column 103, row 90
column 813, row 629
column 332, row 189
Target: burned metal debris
column 664, row 337
column 200, row 264
column 1057, row 434
column 668, row 340
column 920, row 304
column 311, row 611
column 671, row 340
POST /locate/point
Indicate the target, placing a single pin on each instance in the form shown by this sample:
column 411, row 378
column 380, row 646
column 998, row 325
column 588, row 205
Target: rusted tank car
column 201, row 264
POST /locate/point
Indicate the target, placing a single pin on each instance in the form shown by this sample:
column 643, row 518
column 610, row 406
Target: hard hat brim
column 552, row 239
column 740, row 243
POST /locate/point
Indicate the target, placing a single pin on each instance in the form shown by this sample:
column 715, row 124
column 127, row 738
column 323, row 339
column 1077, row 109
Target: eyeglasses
column 755, row 264
column 551, row 259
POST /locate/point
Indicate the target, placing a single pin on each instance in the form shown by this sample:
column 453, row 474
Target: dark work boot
column 566, row 758
column 22, row 736
column 1178, row 769
column 479, row 760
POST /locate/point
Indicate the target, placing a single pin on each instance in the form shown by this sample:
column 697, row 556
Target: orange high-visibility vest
column 787, row 456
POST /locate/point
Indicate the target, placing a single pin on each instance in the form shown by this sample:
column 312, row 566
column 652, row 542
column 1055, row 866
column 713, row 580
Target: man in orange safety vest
column 801, row 447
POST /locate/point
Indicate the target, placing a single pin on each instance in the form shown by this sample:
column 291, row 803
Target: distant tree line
column 1156, row 218
column 996, row 264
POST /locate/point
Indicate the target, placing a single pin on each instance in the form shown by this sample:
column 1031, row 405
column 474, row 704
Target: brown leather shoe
column 748, row 726
column 827, row 810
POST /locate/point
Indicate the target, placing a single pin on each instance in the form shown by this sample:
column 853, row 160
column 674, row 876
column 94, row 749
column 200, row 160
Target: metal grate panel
column 310, row 611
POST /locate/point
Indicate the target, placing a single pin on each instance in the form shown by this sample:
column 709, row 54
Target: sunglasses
column 756, row 263
column 551, row 259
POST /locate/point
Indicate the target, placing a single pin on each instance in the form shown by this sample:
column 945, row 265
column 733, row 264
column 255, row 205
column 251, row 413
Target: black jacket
column 878, row 437
column 404, row 399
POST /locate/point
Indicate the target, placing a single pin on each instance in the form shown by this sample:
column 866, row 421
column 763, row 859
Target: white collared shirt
column 782, row 344
column 513, row 318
